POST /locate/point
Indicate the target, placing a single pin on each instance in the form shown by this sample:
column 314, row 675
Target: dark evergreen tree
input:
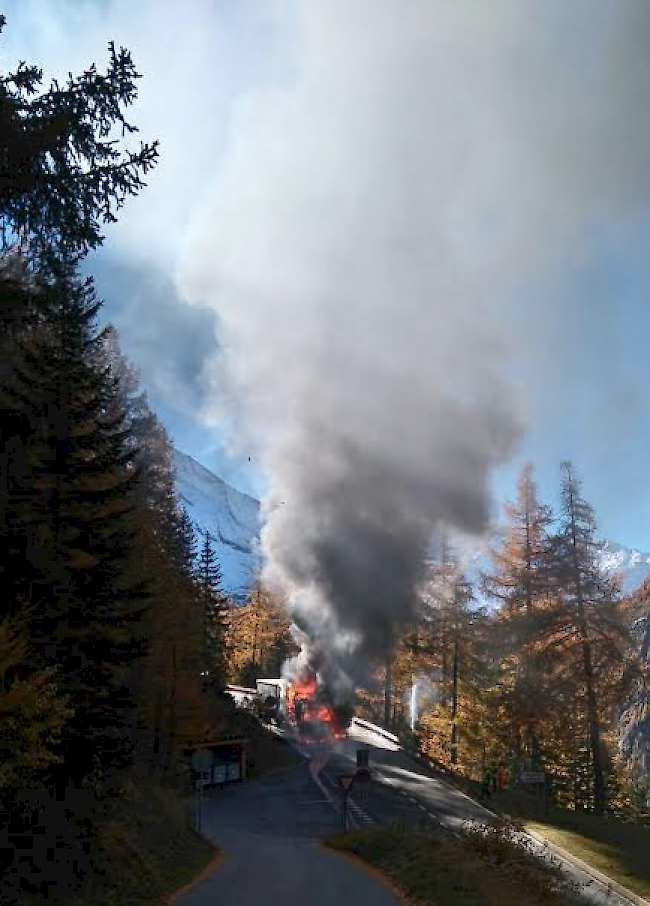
column 184, row 542
column 61, row 174
column 68, row 515
column 214, row 604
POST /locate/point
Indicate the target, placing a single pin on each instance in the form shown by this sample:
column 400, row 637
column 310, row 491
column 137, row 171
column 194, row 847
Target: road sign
column 220, row 773
column 362, row 775
column 533, row 777
column 346, row 780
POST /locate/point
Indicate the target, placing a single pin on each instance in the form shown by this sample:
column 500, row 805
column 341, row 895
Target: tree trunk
column 598, row 773
column 388, row 695
column 575, row 757
column 171, row 735
column 157, row 720
column 256, row 628
column 454, row 703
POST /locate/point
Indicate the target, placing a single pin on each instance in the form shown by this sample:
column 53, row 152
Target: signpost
column 538, row 779
column 345, row 782
column 202, row 763
column 533, row 777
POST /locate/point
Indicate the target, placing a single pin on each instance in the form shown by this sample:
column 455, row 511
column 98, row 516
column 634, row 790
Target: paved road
column 271, row 832
column 401, row 784
column 404, row 790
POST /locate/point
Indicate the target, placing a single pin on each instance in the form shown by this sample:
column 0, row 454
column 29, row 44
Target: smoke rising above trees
column 361, row 232
column 356, row 354
column 365, row 225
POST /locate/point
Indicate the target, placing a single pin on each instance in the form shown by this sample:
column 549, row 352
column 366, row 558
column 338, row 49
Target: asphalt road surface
column 271, row 832
column 401, row 788
column 405, row 792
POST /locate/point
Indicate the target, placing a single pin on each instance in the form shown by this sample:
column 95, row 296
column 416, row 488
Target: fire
column 312, row 712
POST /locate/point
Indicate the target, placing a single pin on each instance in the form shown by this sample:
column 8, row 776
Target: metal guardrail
column 365, row 724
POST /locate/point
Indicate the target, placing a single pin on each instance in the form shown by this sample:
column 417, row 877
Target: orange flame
column 313, row 710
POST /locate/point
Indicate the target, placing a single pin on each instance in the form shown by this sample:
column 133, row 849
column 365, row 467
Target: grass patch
column 618, row 849
column 614, row 847
column 477, row 870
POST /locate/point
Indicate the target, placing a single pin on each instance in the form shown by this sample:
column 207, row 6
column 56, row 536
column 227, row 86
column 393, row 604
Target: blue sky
column 554, row 228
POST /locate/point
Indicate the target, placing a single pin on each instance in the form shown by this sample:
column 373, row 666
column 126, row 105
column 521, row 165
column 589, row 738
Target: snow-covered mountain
column 232, row 518
column 632, row 565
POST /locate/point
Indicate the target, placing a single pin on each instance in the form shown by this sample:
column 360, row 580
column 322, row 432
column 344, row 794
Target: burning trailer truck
column 307, row 707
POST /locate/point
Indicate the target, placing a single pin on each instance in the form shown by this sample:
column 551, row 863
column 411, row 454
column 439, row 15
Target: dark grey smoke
column 427, row 160
column 349, row 541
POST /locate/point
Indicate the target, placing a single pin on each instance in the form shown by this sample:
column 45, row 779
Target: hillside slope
column 232, row 518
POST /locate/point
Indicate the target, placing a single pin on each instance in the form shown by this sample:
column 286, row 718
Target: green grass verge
column 476, row 871
column 617, row 850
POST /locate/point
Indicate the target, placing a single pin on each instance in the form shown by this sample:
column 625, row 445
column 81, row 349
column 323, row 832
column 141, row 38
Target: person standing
column 487, row 783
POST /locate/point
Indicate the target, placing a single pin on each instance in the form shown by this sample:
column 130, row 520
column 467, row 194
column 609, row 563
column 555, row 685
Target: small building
column 227, row 763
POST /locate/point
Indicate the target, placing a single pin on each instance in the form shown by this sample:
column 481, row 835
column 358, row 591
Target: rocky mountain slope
column 233, row 519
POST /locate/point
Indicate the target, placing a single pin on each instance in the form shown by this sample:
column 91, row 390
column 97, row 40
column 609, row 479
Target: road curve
column 402, row 787
column 271, row 832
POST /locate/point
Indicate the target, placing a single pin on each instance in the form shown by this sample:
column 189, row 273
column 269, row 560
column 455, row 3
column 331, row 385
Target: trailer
column 275, row 687
column 272, row 698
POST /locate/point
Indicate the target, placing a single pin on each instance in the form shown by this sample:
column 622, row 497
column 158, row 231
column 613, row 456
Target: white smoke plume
column 422, row 161
column 421, row 695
